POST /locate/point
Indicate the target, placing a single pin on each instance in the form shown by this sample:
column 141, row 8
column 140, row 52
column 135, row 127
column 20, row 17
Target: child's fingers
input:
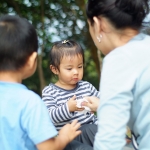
column 76, row 124
column 73, row 98
column 78, row 132
column 80, row 109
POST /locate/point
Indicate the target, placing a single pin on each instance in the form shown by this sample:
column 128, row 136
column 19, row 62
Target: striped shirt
column 55, row 99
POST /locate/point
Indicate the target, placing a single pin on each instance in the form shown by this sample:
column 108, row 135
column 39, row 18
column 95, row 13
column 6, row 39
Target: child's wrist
column 65, row 138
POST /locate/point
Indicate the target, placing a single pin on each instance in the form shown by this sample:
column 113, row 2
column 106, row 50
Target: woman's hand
column 92, row 103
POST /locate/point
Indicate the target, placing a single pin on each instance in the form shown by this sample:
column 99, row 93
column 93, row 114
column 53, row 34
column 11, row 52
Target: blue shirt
column 125, row 95
column 24, row 119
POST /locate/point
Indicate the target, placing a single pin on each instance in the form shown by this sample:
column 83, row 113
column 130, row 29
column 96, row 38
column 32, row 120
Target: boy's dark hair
column 18, row 40
column 64, row 48
column 121, row 13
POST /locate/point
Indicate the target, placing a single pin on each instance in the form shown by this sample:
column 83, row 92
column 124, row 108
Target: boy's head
column 18, row 40
column 64, row 48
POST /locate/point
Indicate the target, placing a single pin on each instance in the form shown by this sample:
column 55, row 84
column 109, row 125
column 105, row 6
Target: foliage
column 90, row 73
column 54, row 20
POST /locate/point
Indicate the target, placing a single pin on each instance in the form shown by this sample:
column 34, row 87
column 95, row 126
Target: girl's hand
column 72, row 105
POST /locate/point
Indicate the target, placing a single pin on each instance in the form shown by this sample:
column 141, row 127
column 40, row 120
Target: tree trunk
column 40, row 73
column 96, row 54
column 40, row 58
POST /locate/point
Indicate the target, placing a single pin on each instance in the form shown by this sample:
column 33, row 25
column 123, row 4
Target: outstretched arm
column 64, row 137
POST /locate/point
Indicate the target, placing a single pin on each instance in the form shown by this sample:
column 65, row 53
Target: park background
column 56, row 20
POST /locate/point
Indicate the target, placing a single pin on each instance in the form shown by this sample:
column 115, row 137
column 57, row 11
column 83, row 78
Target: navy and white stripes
column 55, row 98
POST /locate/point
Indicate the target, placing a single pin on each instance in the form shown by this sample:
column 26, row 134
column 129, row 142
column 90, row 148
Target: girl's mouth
column 75, row 79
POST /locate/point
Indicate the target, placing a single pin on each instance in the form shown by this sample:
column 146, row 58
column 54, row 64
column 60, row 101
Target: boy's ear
column 32, row 60
column 53, row 69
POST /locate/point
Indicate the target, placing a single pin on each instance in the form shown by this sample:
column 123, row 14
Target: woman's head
column 121, row 13
column 64, row 48
column 112, row 23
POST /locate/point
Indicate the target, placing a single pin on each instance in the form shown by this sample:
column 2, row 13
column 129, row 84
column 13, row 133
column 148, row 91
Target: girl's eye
column 80, row 67
column 69, row 68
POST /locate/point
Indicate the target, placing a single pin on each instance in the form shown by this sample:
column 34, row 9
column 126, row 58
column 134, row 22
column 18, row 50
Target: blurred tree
column 55, row 20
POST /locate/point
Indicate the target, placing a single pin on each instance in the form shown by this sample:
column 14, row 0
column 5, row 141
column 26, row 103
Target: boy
column 24, row 120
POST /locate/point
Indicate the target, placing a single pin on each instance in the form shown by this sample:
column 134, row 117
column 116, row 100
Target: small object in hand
column 80, row 100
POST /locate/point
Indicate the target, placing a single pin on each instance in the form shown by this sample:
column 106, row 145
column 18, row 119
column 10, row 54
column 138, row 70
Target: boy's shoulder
column 29, row 97
column 32, row 94
column 19, row 95
column 17, row 90
column 31, row 101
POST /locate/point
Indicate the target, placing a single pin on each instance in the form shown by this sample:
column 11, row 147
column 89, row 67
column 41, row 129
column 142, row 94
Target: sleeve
column 94, row 91
column 58, row 113
column 117, row 81
column 36, row 121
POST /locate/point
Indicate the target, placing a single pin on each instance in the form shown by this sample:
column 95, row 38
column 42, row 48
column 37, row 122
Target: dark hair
column 121, row 13
column 64, row 48
column 18, row 40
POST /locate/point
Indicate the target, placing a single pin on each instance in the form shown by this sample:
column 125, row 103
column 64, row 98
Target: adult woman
column 115, row 27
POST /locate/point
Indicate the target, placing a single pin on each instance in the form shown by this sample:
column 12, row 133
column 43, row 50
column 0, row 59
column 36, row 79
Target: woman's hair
column 121, row 13
column 64, row 48
column 18, row 40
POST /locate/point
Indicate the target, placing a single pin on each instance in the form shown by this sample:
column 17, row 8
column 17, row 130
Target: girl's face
column 70, row 71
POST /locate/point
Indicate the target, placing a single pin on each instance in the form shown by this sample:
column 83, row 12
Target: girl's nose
column 75, row 71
